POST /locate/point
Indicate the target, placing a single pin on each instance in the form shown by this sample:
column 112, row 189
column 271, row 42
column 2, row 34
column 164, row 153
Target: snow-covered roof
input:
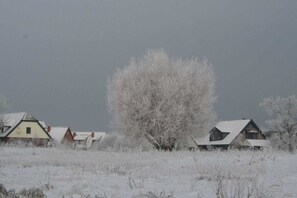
column 233, row 128
column 84, row 135
column 58, row 133
column 253, row 131
column 42, row 123
column 11, row 120
column 253, row 143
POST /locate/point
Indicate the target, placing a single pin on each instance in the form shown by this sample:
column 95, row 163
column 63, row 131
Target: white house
column 22, row 127
column 234, row 134
column 88, row 138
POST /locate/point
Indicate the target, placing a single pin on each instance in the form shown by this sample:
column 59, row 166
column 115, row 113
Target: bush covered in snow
column 24, row 193
column 115, row 143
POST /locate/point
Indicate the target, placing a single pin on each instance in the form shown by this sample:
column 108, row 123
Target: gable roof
column 42, row 123
column 12, row 120
column 58, row 133
column 233, row 128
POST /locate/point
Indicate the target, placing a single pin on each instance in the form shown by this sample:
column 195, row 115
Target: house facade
column 234, row 134
column 22, row 127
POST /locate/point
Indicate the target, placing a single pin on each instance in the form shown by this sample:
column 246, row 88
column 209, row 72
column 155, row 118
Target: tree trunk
column 167, row 145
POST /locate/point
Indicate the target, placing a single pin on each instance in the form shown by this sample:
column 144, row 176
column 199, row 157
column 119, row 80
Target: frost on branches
column 284, row 121
column 162, row 99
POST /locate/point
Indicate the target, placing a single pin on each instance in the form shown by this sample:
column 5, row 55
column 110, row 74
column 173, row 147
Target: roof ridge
column 235, row 120
column 22, row 112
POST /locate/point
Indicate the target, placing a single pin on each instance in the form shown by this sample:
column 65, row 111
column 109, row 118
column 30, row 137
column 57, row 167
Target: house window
column 217, row 135
column 3, row 128
column 251, row 136
column 28, row 130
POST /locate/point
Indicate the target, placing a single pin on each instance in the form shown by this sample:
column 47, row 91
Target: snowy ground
column 70, row 173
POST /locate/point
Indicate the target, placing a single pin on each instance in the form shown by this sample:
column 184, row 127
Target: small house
column 60, row 135
column 22, row 127
column 234, row 134
column 88, row 138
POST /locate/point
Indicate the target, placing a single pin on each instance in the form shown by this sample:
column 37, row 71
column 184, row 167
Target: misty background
column 56, row 56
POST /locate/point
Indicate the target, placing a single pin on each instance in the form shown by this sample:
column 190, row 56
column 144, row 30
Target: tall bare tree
column 162, row 99
column 284, row 120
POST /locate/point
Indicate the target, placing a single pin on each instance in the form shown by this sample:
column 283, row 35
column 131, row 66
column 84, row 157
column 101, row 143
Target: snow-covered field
column 72, row 173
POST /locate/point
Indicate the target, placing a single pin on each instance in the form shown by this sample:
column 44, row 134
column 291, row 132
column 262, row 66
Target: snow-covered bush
column 3, row 191
column 117, row 142
column 241, row 177
column 64, row 145
column 32, row 192
column 18, row 143
column 151, row 194
column 162, row 99
column 241, row 187
column 283, row 125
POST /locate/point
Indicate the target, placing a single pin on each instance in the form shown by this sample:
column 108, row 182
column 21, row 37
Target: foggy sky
column 56, row 56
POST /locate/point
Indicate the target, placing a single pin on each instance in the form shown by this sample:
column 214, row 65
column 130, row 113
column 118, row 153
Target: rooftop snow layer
column 233, row 127
column 58, row 133
column 252, row 143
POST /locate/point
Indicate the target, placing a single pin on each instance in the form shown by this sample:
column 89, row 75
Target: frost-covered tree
column 162, row 99
column 284, row 120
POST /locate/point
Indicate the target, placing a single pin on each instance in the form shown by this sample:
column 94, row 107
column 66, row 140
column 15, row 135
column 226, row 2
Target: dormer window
column 3, row 129
column 216, row 135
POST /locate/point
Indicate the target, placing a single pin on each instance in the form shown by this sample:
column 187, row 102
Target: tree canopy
column 162, row 99
column 284, row 120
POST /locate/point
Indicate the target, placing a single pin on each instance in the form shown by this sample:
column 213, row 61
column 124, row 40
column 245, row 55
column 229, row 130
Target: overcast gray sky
column 56, row 55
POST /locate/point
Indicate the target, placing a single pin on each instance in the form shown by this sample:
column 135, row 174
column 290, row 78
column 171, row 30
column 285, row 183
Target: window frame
column 251, row 136
column 28, row 130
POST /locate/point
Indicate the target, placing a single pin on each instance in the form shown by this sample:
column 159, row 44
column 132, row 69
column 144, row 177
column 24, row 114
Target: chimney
column 92, row 135
column 48, row 129
column 74, row 134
